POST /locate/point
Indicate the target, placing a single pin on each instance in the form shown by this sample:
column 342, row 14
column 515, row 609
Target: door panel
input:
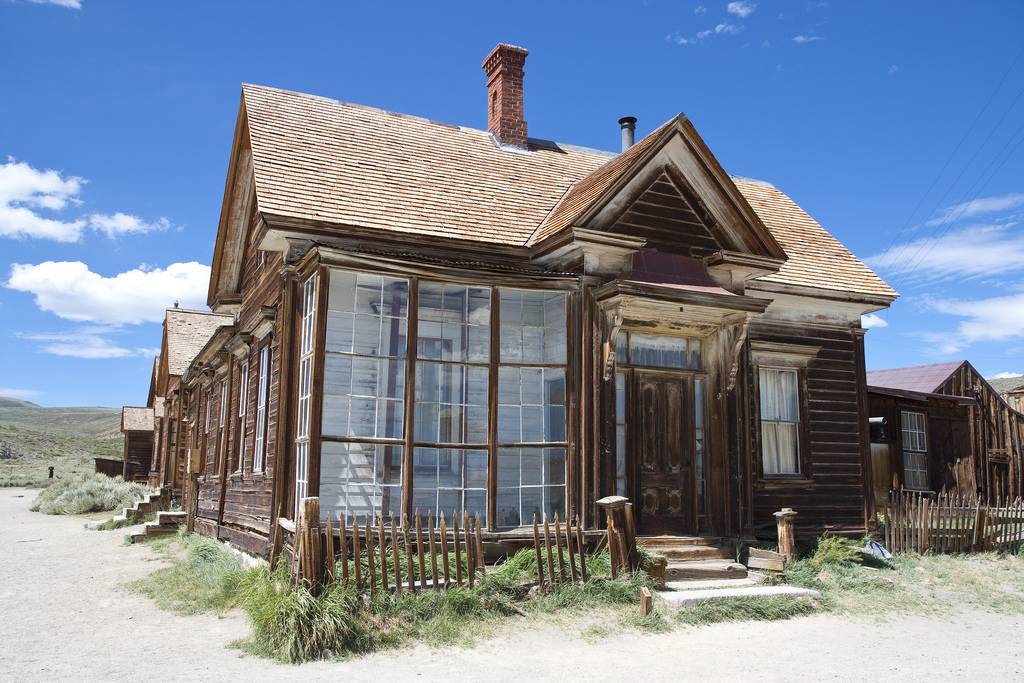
column 663, row 439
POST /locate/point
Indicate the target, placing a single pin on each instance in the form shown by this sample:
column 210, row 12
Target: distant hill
column 66, row 438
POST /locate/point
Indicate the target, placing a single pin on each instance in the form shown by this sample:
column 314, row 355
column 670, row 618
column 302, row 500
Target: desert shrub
column 835, row 550
column 88, row 493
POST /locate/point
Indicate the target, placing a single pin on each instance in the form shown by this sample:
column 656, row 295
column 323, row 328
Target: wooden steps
column 142, row 508
column 166, row 523
column 695, row 558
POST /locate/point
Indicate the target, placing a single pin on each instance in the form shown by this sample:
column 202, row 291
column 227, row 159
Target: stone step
column 704, row 569
column 705, row 584
column 686, row 598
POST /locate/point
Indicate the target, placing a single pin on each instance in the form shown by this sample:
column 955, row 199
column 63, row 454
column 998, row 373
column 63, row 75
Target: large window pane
column 533, row 327
column 450, row 480
column 531, row 405
column 360, row 479
column 780, row 421
column 454, row 323
column 451, row 403
column 530, row 481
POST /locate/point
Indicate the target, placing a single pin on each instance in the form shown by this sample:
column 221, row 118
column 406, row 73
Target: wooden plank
column 343, row 547
column 410, row 574
column 357, row 555
column 572, row 554
column 458, row 548
column 470, row 561
column 558, row 547
column 329, row 556
column 382, row 547
column 480, row 559
column 443, row 533
column 547, row 546
column 394, row 556
column 433, row 550
column 536, row 548
column 582, row 549
column 766, row 559
column 646, row 601
column 419, row 550
column 370, row 561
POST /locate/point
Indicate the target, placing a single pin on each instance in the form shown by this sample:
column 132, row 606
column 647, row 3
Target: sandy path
column 65, row 617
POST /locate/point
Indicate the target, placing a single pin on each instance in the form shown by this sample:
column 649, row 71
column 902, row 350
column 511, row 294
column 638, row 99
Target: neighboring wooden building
column 1011, row 389
column 992, row 458
column 427, row 316
column 137, row 427
column 185, row 333
column 920, row 442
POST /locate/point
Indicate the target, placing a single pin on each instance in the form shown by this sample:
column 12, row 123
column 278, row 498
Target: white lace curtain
column 780, row 421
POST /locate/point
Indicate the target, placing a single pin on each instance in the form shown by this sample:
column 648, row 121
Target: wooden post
column 458, row 548
column 370, row 561
column 433, row 551
column 470, row 555
column 343, row 547
column 50, row 474
column 394, row 556
column 481, row 561
column 547, row 546
column 329, row 551
column 787, row 541
column 568, row 545
column 443, row 533
column 410, row 570
column 382, row 546
column 419, row 549
column 536, row 548
column 357, row 555
column 646, row 601
column 621, row 540
column 311, row 559
column 581, row 548
column 558, row 547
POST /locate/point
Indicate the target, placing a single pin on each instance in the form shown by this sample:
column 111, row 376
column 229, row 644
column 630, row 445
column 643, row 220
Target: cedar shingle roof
column 135, row 419
column 923, row 378
column 187, row 333
column 324, row 160
column 1005, row 385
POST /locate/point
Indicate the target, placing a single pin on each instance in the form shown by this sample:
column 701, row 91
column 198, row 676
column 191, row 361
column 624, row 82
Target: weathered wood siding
column 831, row 493
column 138, row 449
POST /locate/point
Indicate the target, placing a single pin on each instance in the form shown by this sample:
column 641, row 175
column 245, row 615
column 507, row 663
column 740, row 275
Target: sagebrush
column 88, row 493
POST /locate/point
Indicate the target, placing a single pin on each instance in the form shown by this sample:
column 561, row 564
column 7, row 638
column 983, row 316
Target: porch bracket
column 737, row 349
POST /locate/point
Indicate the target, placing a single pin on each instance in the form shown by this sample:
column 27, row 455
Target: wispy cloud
column 700, row 10
column 729, row 29
column 70, row 4
column 804, row 38
column 23, row 394
column 998, row 375
column 741, row 9
column 973, row 252
column 28, row 194
column 993, row 319
column 91, row 343
column 977, row 207
column 71, row 290
column 873, row 321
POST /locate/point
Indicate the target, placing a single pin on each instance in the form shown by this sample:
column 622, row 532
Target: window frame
column 801, row 446
column 242, row 413
column 923, row 453
column 263, row 373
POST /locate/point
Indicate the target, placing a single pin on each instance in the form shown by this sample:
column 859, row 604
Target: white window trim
column 259, row 442
column 243, row 407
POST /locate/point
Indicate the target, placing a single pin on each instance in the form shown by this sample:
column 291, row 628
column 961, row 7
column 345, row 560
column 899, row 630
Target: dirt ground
column 65, row 617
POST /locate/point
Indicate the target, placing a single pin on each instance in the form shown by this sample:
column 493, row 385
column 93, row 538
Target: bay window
column 473, row 347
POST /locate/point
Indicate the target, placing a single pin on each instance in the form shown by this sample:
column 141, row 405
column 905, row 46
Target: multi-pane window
column 453, row 350
column 363, row 422
column 915, row 450
column 364, row 434
column 263, row 384
column 221, row 420
column 307, row 333
column 658, row 351
column 531, row 406
column 780, row 421
column 243, row 408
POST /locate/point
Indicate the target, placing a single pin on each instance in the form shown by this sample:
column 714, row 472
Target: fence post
column 787, row 541
column 308, row 534
column 621, row 538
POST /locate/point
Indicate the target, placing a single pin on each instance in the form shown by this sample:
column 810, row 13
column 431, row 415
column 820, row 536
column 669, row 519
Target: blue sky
column 899, row 126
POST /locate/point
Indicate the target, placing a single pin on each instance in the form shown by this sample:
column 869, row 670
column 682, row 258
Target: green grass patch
column 88, row 493
column 747, row 609
column 204, row 576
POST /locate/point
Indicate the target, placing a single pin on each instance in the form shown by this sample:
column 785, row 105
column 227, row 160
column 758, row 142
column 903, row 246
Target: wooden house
column 137, row 427
column 1011, row 389
column 185, row 333
column 432, row 317
column 988, row 462
column 920, row 442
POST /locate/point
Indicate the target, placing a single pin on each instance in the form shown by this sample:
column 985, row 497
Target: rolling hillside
column 66, row 438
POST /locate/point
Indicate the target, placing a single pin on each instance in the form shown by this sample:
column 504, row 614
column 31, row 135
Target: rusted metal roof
column 920, row 378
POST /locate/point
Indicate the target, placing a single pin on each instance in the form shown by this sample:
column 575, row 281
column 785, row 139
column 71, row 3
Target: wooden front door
column 663, row 437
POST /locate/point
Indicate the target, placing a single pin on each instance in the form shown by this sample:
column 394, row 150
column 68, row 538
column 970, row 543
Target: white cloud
column 741, row 9
column 72, row 291
column 974, row 252
column 994, row 319
column 977, row 207
column 677, row 38
column 730, row 29
column 70, row 4
column 704, row 34
column 23, row 394
column 700, row 10
column 803, row 38
column 119, row 223
column 25, row 192
column 91, row 343
column 872, row 321
column 998, row 375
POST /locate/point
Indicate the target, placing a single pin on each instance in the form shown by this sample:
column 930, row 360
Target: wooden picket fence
column 376, row 554
column 950, row 523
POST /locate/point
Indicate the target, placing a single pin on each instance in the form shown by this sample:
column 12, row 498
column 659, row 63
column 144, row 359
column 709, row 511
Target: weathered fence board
column 950, row 523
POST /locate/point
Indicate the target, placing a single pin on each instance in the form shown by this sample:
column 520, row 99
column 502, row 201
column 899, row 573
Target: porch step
column 703, row 570
column 686, row 598
column 169, row 518
column 696, row 552
column 656, row 543
column 166, row 523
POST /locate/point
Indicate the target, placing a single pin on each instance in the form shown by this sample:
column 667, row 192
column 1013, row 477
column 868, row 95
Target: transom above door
column 659, row 387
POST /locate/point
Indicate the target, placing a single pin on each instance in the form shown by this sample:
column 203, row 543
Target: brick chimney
column 504, row 69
